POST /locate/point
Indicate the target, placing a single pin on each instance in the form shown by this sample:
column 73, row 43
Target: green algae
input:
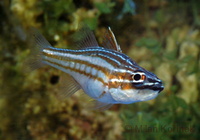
column 29, row 102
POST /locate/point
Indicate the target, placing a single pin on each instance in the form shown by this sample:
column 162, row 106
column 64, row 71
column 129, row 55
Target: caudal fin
column 38, row 43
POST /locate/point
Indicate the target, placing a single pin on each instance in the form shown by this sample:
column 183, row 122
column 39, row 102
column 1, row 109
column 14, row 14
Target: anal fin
column 68, row 86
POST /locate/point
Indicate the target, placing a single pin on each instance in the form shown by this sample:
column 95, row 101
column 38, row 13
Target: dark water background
column 163, row 36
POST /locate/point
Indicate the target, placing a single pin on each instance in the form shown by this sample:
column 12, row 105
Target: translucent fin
column 68, row 86
column 110, row 41
column 100, row 105
column 39, row 39
column 38, row 43
column 94, row 104
column 85, row 38
column 32, row 63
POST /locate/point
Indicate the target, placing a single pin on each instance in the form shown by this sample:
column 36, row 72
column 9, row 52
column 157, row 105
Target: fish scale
column 104, row 73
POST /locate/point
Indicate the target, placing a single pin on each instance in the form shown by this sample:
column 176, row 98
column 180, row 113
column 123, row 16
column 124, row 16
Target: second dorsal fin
column 85, row 38
column 110, row 41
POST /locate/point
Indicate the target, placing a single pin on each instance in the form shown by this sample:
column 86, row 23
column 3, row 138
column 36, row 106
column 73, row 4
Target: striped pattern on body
column 105, row 74
column 95, row 63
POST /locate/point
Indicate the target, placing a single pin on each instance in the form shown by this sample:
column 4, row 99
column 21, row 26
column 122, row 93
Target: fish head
column 136, row 85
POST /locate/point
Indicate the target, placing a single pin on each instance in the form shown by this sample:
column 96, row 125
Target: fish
column 103, row 72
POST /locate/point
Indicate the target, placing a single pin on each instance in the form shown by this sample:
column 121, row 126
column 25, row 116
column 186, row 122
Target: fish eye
column 137, row 77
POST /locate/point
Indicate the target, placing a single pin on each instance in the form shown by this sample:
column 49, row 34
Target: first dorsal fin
column 110, row 41
column 85, row 38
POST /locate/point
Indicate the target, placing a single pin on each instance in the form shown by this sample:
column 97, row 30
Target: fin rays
column 39, row 39
column 100, row 105
column 85, row 38
column 35, row 60
column 110, row 41
column 69, row 86
column 94, row 104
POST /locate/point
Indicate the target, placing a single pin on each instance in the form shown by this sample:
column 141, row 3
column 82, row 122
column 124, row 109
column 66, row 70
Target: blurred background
column 163, row 36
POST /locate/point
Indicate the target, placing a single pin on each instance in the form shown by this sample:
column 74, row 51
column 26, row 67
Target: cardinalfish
column 104, row 73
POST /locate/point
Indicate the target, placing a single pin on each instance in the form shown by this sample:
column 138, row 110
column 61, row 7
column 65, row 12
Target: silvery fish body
column 104, row 73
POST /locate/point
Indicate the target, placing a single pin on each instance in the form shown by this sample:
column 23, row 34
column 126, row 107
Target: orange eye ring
column 138, row 77
column 143, row 77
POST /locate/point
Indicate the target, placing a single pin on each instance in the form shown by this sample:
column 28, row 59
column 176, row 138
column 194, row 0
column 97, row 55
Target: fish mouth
column 157, row 87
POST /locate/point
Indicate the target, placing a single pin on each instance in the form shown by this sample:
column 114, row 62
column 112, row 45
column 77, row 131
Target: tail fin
column 39, row 39
column 38, row 43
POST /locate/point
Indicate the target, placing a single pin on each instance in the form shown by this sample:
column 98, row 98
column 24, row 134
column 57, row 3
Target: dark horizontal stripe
column 78, row 71
column 104, row 70
column 102, row 53
column 156, row 87
column 96, row 66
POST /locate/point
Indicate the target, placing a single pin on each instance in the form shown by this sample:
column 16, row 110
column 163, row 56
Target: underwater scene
column 153, row 47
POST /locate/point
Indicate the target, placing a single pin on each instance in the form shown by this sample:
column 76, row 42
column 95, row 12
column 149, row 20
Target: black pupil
column 137, row 77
